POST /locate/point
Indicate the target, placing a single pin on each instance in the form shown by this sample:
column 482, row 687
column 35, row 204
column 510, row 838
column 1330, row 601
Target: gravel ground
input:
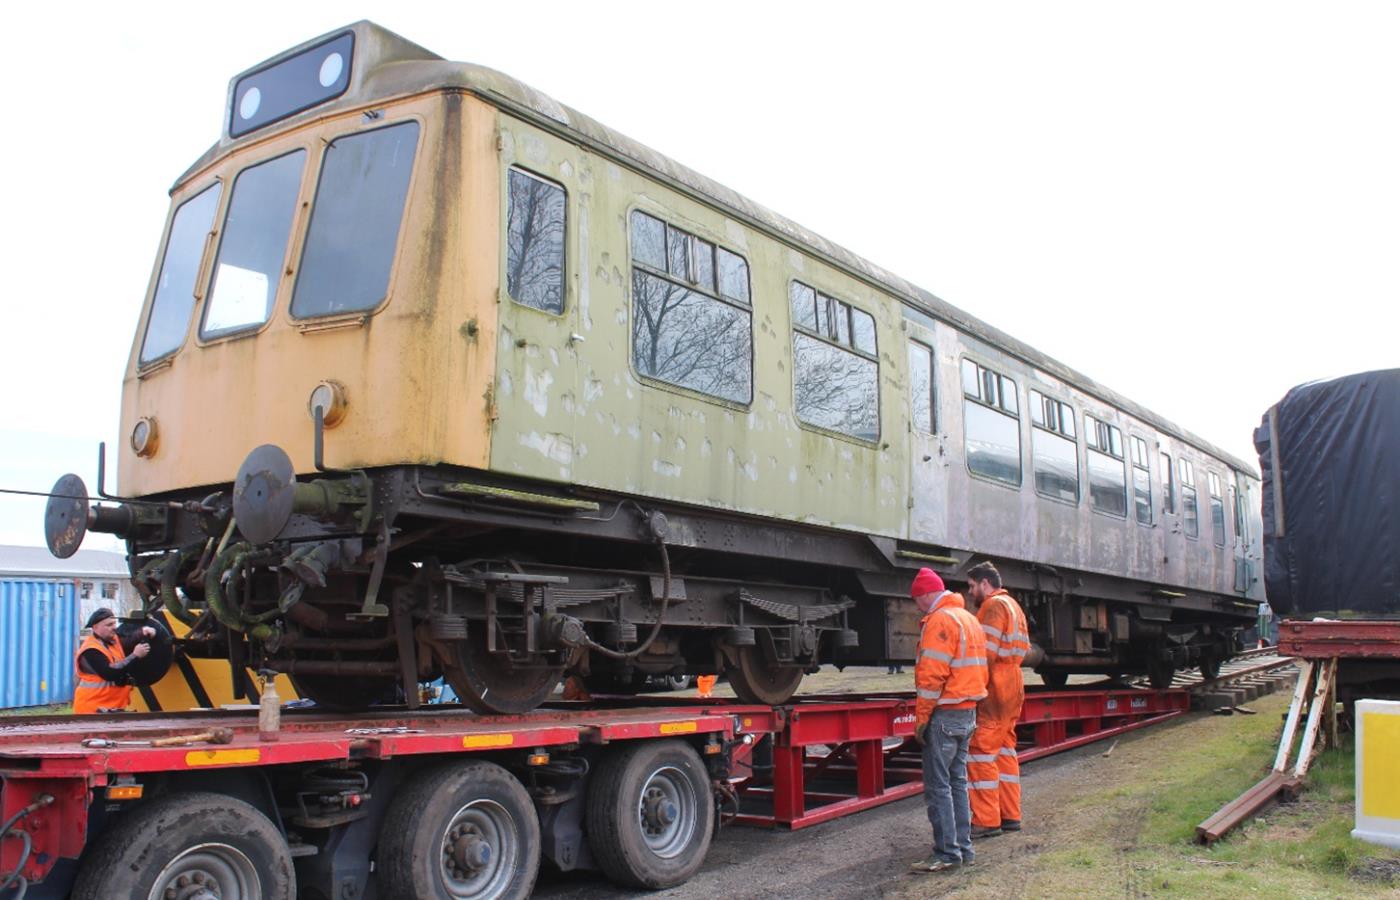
column 868, row 853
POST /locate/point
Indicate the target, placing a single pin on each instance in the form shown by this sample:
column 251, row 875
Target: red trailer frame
column 830, row 755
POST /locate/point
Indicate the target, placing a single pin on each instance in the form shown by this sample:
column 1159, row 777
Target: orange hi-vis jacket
column 92, row 692
column 1008, row 641
column 951, row 671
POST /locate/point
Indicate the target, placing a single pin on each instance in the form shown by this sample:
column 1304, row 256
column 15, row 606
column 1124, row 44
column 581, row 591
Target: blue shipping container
column 38, row 637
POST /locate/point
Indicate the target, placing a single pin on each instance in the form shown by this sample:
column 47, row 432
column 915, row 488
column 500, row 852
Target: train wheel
column 491, row 683
column 194, row 844
column 1054, row 679
column 464, row 830
column 756, row 680
column 650, row 816
column 345, row 693
column 1210, row 664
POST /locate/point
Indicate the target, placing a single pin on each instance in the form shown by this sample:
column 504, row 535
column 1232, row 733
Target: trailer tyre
column 649, row 814
column 461, row 830
column 180, row 844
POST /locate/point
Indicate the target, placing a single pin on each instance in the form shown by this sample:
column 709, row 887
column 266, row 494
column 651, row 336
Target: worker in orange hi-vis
column 706, row 684
column 950, row 676
column 993, row 771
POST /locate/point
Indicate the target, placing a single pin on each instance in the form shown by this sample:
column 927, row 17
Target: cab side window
column 535, row 242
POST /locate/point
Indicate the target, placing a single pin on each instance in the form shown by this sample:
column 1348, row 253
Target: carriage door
column 1239, row 504
column 928, row 482
column 539, row 339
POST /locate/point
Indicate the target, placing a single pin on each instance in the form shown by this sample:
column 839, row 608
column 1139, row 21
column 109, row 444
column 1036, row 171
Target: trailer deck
column 791, row 766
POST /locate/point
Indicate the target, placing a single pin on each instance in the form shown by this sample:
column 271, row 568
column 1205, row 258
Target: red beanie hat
column 926, row 582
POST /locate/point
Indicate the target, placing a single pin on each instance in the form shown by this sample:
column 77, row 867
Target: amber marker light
column 124, row 792
column 330, row 396
column 145, row 437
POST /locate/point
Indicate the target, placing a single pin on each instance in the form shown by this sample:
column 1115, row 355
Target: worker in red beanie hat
column 926, row 584
column 950, row 677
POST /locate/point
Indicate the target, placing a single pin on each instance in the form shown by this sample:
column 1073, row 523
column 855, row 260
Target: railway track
column 1251, row 674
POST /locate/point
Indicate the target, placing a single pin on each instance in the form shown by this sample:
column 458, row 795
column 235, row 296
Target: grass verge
column 1143, row 842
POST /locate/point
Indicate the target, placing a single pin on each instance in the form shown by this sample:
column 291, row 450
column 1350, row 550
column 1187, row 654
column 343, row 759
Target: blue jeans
column 945, row 782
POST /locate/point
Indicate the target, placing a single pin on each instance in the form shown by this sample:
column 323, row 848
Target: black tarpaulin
column 1330, row 456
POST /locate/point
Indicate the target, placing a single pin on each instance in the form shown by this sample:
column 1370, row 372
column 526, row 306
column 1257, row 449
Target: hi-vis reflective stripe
column 95, row 685
column 963, row 660
column 993, row 631
column 1015, row 779
column 982, row 757
column 938, row 655
column 928, row 695
column 945, row 701
column 983, row 785
column 1017, row 620
column 1006, row 751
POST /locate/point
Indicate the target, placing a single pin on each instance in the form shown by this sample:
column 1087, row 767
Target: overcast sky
column 1196, row 204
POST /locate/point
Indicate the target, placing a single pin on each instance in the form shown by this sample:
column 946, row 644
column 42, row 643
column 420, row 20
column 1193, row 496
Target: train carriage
column 437, row 376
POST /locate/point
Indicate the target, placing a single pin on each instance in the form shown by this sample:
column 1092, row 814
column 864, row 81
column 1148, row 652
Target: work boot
column 1010, row 824
column 986, row 831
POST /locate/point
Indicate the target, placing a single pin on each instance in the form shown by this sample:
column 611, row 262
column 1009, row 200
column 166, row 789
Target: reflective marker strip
column 222, row 757
column 679, row 727
column 500, row 739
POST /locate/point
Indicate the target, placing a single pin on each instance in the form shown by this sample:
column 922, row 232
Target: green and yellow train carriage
column 437, row 376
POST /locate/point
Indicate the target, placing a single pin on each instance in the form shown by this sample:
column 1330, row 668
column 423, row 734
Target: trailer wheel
column 649, row 814
column 1054, row 679
column 189, row 845
column 463, row 830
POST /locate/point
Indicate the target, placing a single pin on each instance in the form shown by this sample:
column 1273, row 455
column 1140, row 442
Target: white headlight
column 248, row 106
column 331, row 68
column 330, row 397
column 144, row 436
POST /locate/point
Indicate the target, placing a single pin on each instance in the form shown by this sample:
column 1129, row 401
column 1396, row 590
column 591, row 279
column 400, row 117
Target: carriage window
column 1217, row 509
column 1108, row 484
column 683, row 331
column 733, row 276
column 835, row 378
column 991, row 424
column 253, row 251
column 1168, row 484
column 1142, row 481
column 535, row 242
column 1054, row 453
column 170, row 310
column 1190, row 515
column 649, row 241
column 921, row 386
column 355, row 222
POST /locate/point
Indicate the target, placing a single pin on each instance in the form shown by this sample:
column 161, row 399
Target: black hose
column 169, row 577
column 5, row 830
column 660, row 616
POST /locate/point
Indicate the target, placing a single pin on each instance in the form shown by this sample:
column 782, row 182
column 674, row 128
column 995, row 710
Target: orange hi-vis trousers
column 993, row 773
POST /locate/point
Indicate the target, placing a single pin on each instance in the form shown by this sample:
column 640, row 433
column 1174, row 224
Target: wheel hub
column 193, row 885
column 658, row 811
column 471, row 851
